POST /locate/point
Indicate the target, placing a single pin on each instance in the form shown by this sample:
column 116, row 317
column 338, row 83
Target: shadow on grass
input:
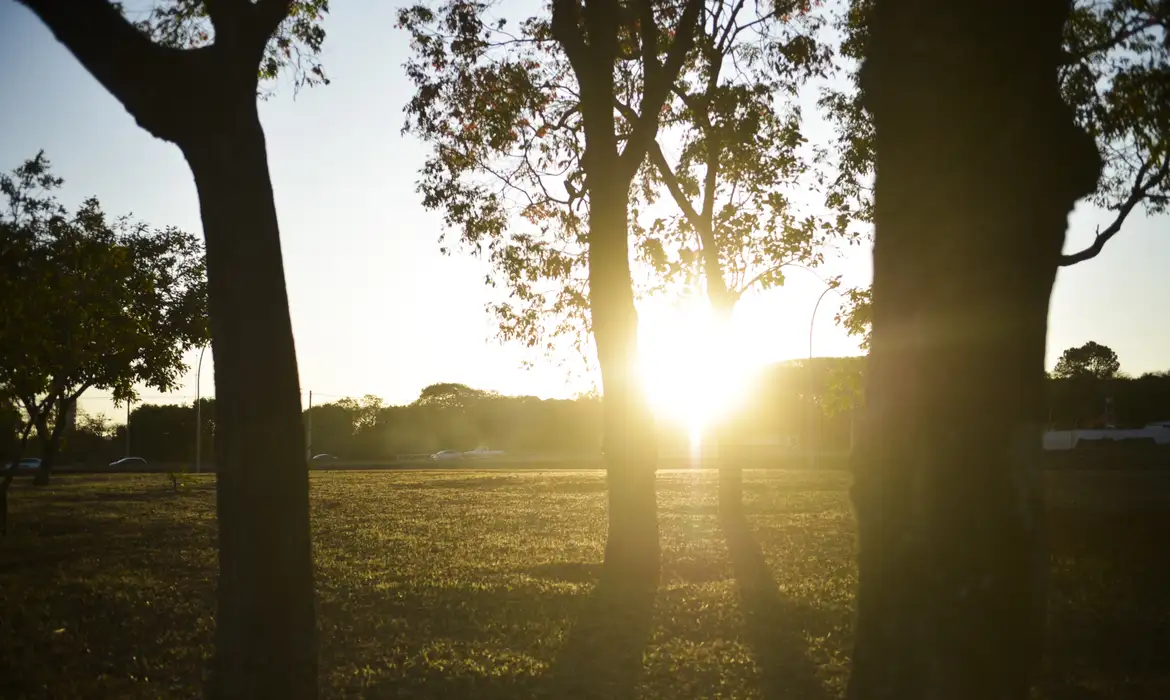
column 774, row 625
column 602, row 657
column 1109, row 604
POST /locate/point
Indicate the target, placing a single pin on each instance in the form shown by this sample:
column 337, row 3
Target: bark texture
column 979, row 163
column 265, row 629
column 631, row 549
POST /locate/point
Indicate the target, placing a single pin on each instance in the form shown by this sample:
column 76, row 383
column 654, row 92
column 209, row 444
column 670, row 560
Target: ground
column 480, row 585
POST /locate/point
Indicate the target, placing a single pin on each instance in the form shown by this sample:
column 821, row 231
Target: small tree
column 1089, row 361
column 526, row 125
column 738, row 136
column 103, row 304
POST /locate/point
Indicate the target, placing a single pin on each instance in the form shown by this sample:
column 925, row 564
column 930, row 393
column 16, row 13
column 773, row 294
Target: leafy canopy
column 736, row 162
column 91, row 302
column 1116, row 76
column 1089, row 361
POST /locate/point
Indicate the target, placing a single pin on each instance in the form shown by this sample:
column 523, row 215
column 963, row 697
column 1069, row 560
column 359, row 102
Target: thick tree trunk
column 631, row 551
column 265, row 630
column 978, row 165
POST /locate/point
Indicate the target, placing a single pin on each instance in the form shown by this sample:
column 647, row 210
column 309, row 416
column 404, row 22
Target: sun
column 694, row 366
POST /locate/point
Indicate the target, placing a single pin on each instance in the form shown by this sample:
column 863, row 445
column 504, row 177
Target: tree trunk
column 51, row 447
column 978, row 166
column 730, row 468
column 631, row 551
column 266, row 643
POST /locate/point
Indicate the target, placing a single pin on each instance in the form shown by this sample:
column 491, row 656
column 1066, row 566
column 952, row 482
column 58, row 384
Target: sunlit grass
column 478, row 584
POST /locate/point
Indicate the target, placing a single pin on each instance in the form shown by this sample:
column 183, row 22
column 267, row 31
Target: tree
column 116, row 303
column 189, row 74
column 979, row 160
column 739, row 162
column 1114, row 72
column 1091, row 361
column 508, row 116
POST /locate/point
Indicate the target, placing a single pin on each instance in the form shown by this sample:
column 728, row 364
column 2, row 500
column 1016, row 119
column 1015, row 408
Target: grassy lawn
column 469, row 585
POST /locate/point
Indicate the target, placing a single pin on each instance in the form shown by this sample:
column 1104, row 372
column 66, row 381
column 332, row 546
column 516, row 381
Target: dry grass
column 465, row 584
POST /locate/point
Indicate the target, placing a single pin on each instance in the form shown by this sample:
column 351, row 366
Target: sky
column 376, row 308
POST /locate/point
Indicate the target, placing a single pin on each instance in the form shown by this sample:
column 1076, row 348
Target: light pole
column 198, row 412
column 812, row 421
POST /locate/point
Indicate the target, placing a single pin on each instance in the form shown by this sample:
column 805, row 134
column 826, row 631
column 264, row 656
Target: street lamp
column 812, row 421
column 198, row 412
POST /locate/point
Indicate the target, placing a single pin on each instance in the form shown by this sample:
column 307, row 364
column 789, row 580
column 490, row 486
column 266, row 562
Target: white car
column 447, row 455
column 483, row 453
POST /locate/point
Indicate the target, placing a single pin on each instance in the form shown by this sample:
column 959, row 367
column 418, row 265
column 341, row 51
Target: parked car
column 128, row 463
column 28, row 464
column 447, row 455
column 483, row 453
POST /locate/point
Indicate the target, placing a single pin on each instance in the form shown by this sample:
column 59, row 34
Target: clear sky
column 376, row 308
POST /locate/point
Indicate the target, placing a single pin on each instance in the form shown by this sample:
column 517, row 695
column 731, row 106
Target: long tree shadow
column 774, row 625
column 602, row 657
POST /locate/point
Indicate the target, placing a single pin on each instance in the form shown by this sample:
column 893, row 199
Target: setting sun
column 695, row 369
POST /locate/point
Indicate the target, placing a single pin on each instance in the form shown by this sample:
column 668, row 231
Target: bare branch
column 658, row 79
column 673, row 186
column 1141, row 188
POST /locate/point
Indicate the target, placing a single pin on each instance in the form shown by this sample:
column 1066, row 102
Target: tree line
column 967, row 132
column 795, row 405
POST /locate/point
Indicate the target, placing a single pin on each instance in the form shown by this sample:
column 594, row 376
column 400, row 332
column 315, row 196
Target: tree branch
column 267, row 16
column 566, row 29
column 1136, row 195
column 673, row 185
column 1112, row 42
column 140, row 74
column 657, row 79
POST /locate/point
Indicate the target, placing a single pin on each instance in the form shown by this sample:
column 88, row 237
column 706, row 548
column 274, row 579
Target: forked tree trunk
column 265, row 629
column 978, row 165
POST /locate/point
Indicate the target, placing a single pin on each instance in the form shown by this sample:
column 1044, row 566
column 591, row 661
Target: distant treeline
column 792, row 402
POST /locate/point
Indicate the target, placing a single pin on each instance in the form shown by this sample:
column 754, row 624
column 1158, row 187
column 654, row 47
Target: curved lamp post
column 812, row 421
column 198, row 412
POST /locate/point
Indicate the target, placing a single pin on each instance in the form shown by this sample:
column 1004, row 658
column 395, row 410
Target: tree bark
column 632, row 551
column 978, row 164
column 51, row 446
column 265, row 629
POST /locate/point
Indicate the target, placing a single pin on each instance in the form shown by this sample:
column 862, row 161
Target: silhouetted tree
column 738, row 138
column 979, row 162
column 550, row 95
column 1114, row 72
column 1091, row 360
column 189, row 74
column 102, row 304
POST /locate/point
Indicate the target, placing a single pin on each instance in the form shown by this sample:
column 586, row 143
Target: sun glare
column 695, row 367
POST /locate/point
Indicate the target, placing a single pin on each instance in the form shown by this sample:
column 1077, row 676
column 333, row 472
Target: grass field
column 470, row 585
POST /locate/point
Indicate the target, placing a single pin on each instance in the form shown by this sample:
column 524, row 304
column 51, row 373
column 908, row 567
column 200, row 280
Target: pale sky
column 375, row 307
